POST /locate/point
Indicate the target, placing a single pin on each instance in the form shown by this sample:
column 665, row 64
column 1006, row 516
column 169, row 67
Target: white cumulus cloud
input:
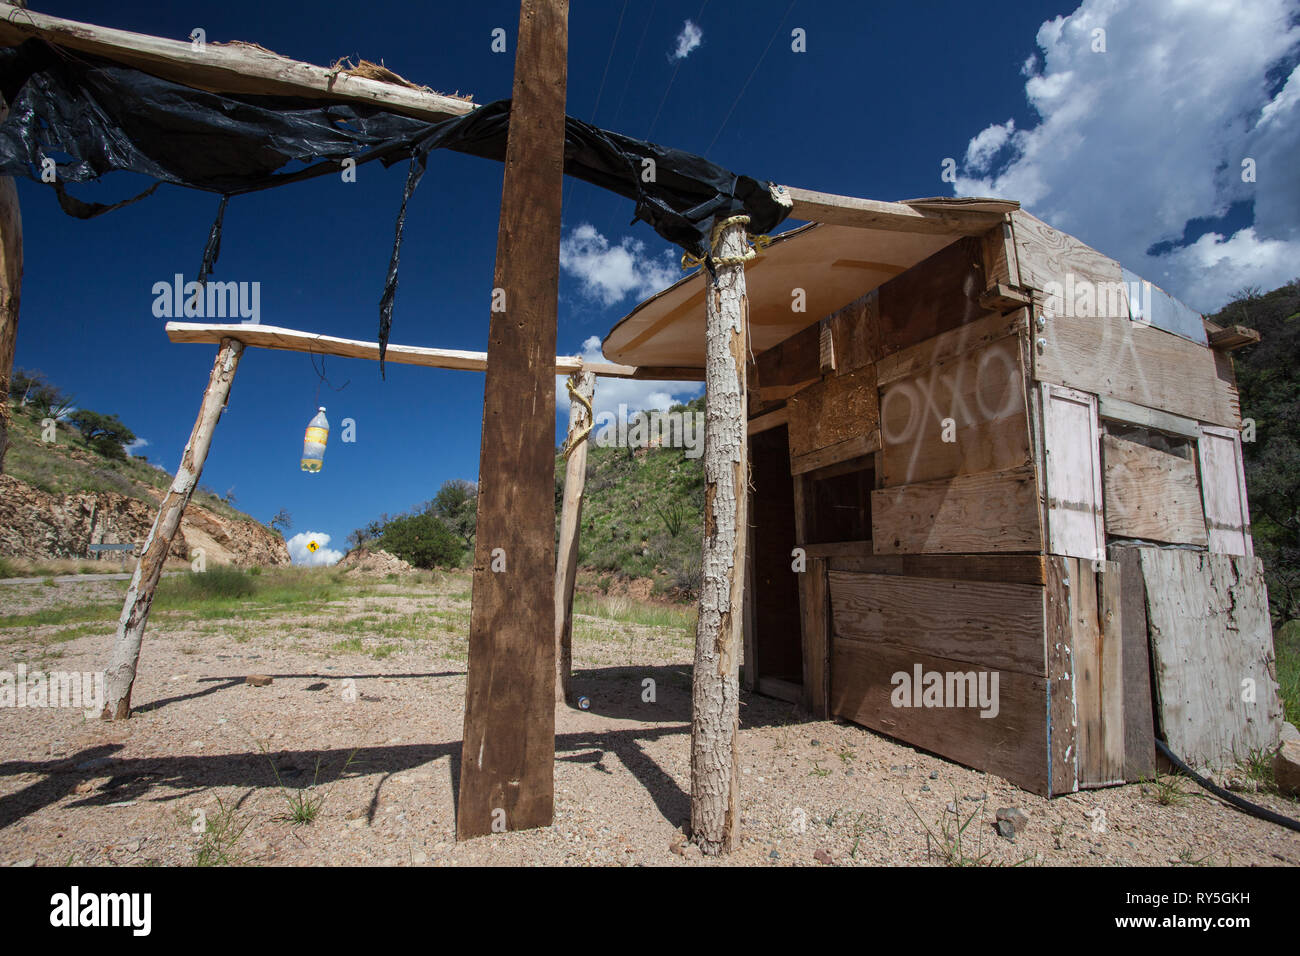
column 301, row 553
column 1134, row 143
column 687, row 41
column 611, row 272
column 133, row 447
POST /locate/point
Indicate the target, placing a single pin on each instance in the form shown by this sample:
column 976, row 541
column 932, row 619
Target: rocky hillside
column 58, row 498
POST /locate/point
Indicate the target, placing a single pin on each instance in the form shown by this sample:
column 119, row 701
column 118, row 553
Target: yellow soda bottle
column 313, row 443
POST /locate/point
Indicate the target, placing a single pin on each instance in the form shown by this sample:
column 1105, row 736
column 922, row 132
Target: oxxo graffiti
column 918, row 410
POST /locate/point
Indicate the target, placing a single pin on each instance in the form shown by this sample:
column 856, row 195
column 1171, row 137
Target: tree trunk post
column 715, row 692
column 507, row 768
column 581, row 387
column 120, row 676
column 11, row 284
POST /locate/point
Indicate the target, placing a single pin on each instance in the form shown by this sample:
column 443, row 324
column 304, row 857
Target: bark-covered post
column 715, row 711
column 120, row 676
column 11, row 283
column 581, row 386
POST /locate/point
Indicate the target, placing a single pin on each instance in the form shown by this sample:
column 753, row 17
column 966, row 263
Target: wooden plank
column 1002, row 298
column 1212, row 654
column 582, row 386
column 794, row 363
column 508, row 752
column 1223, row 489
column 11, row 286
column 857, row 557
column 936, row 295
column 1114, row 357
column 1072, row 463
column 292, row 340
column 785, row 690
column 963, row 415
column 1232, row 338
column 774, row 419
column 119, row 676
column 969, row 514
column 225, row 67
column 1012, row 745
column 959, row 341
column 855, row 333
column 1139, row 729
column 1117, row 410
column 814, row 607
column 1062, row 717
column 1098, row 671
column 1053, row 260
column 948, row 219
column 998, row 246
column 1151, row 494
column 834, row 410
column 833, row 454
column 986, row 623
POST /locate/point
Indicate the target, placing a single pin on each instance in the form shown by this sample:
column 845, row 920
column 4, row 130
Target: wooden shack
column 991, row 464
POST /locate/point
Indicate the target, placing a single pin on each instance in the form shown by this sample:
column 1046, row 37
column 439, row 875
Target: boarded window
column 839, row 503
column 1073, row 473
column 1223, row 490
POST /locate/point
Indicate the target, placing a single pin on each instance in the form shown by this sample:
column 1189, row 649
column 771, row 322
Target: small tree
column 282, row 522
column 422, row 539
column 104, row 433
column 456, row 504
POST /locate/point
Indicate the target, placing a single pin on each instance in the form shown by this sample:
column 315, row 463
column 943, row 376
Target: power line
column 751, row 76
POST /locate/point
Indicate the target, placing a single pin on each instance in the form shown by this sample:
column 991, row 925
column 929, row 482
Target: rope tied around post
column 757, row 243
column 578, row 437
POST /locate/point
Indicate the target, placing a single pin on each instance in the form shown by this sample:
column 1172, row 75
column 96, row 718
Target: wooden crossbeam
column 224, row 67
column 934, row 218
column 292, row 340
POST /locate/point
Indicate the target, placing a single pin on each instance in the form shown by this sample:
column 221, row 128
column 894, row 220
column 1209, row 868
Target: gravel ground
column 205, row 747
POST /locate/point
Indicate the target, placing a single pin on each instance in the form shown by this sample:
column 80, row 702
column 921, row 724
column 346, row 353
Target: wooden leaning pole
column 715, row 691
column 120, row 676
column 11, row 284
column 581, row 387
column 507, row 763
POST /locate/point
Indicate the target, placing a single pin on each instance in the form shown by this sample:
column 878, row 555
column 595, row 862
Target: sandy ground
column 203, row 744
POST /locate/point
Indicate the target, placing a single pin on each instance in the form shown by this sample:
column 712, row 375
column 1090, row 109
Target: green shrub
column 423, row 540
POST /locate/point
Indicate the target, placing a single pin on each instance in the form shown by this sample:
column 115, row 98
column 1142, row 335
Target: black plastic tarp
column 94, row 116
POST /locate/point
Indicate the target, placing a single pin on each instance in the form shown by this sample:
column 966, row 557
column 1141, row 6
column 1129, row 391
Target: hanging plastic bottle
column 313, row 443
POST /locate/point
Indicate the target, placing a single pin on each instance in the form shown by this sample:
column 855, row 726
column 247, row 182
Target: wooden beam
column 715, row 693
column 242, row 68
column 1231, row 338
column 933, row 219
column 582, row 386
column 508, row 752
column 11, row 285
column 120, row 675
column 292, row 340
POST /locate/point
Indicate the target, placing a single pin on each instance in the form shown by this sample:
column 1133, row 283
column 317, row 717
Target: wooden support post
column 715, row 711
column 11, row 284
column 508, row 752
column 582, row 386
column 120, row 676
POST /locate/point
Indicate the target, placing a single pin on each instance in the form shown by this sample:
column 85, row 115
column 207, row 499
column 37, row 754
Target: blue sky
column 1134, row 148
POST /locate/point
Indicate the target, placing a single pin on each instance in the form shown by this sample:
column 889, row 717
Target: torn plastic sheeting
column 108, row 117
